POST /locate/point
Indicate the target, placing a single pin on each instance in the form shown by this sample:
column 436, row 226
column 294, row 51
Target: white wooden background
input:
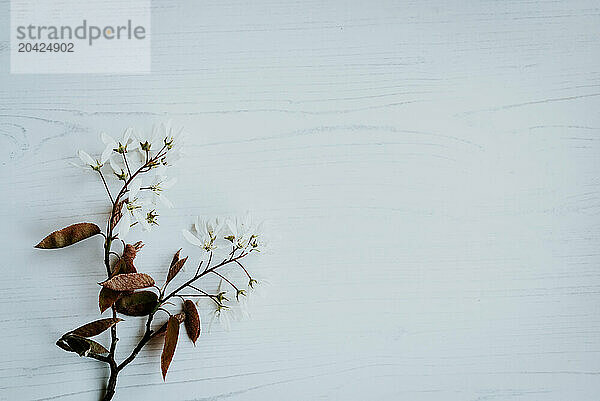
column 429, row 173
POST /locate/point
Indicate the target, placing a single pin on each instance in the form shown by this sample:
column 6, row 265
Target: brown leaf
column 96, row 327
column 128, row 282
column 170, row 344
column 140, row 303
column 107, row 298
column 117, row 213
column 176, row 266
column 192, row 320
column 175, row 258
column 129, row 253
column 69, row 235
column 81, row 345
column 122, row 267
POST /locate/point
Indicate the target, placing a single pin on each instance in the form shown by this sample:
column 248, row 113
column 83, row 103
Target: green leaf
column 69, row 236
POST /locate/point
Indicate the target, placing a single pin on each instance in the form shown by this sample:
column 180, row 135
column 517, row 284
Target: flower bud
column 221, row 297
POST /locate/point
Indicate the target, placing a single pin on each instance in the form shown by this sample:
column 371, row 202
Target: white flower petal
column 79, row 166
column 233, row 227
column 198, row 224
column 126, row 136
column 116, row 168
column 106, row 154
column 134, row 189
column 165, row 201
column 168, row 183
column 124, row 224
column 86, row 158
column 191, row 238
column 107, row 139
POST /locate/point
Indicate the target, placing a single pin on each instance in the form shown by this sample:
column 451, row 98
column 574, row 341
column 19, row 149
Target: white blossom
column 119, row 170
column 124, row 145
column 152, row 142
column 157, row 188
column 226, row 310
column 244, row 233
column 89, row 163
column 136, row 210
column 174, row 139
column 208, row 233
column 162, row 137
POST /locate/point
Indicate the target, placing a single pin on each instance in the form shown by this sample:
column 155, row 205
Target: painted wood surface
column 428, row 172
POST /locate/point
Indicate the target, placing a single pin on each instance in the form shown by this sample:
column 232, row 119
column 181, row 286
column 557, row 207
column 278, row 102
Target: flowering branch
column 129, row 292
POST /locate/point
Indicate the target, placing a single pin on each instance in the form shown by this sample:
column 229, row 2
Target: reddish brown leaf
column 192, row 320
column 117, row 213
column 129, row 253
column 128, row 282
column 81, row 345
column 69, row 235
column 96, row 327
column 176, row 266
column 140, row 303
column 175, row 258
column 171, row 338
column 107, row 298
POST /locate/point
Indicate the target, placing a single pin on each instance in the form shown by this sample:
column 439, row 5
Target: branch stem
column 110, row 359
column 148, row 334
column 106, row 187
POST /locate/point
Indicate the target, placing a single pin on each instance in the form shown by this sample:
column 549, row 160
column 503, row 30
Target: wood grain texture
column 428, row 173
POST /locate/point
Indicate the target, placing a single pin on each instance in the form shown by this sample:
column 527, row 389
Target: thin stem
column 140, row 170
column 225, row 278
column 194, row 295
column 164, row 310
column 146, row 337
column 205, row 272
column 110, row 359
column 199, row 290
column 200, row 266
column 244, row 269
column 106, row 187
column 149, row 333
column 208, row 264
column 213, row 297
column 126, row 164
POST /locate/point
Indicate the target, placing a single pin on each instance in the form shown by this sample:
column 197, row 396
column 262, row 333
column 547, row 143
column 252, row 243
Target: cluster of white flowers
column 214, row 236
column 231, row 308
column 230, row 234
column 130, row 157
